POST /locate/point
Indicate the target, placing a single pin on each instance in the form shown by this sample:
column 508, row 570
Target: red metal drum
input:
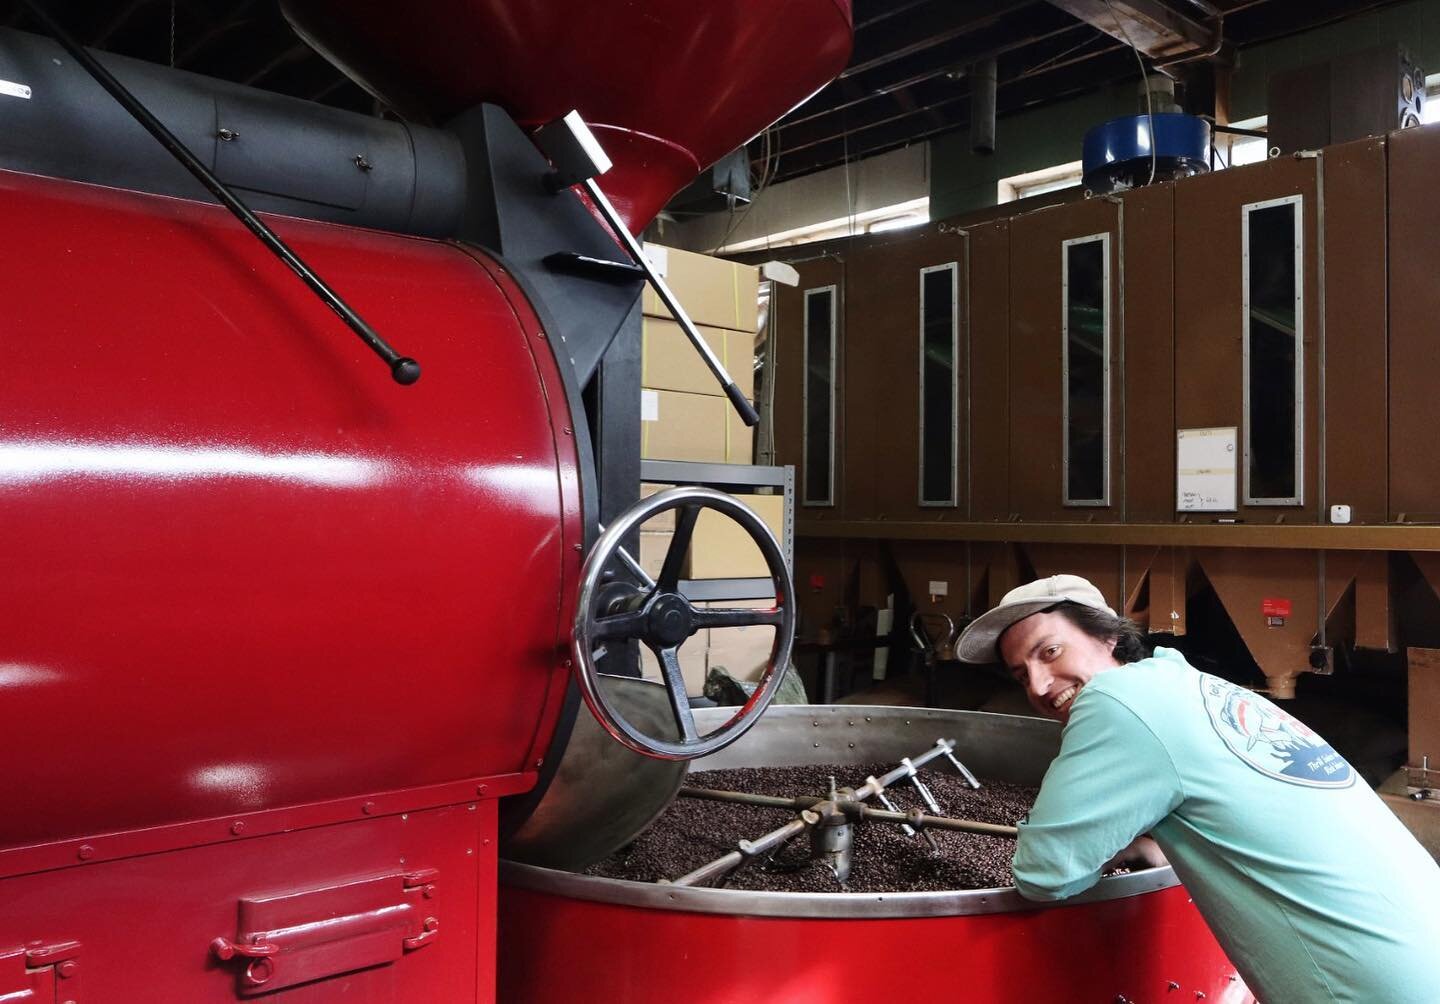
column 253, row 588
column 1129, row 949
column 1135, row 938
column 669, row 86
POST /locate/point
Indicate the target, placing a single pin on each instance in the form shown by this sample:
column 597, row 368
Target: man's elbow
column 1040, row 893
column 1045, row 886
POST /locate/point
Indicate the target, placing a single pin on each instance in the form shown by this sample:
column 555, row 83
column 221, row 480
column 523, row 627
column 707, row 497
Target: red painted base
column 397, row 908
column 1148, row 948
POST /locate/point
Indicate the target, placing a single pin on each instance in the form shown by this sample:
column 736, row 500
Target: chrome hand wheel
column 659, row 617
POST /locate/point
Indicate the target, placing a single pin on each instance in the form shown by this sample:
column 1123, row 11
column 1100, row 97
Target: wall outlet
column 1339, row 514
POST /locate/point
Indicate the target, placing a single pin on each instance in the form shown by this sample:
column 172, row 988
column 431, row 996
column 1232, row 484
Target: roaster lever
column 578, row 159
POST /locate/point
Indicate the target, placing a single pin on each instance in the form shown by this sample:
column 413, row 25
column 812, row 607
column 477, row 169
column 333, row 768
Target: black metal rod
column 404, row 369
column 1217, row 127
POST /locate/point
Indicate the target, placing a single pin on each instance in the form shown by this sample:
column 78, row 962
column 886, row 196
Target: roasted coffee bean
column 692, row 832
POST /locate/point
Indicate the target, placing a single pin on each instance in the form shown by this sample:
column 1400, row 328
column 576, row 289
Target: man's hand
column 1142, row 852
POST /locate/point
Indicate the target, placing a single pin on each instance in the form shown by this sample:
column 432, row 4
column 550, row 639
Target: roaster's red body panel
column 271, row 622
column 1130, row 949
column 363, row 588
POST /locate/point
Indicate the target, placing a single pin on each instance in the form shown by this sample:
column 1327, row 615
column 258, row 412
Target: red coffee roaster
column 287, row 630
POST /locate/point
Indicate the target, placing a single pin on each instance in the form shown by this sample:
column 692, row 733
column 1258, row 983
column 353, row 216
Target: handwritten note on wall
column 1205, row 468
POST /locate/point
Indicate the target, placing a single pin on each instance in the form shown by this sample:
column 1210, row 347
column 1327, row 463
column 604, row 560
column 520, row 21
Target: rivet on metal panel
column 368, row 808
column 470, row 807
column 1171, row 985
column 567, row 431
column 480, row 789
column 540, row 762
column 404, row 816
column 817, row 746
column 237, row 827
column 67, row 969
column 851, row 745
column 816, row 724
column 867, row 718
column 485, row 842
column 1199, row 995
column 85, row 853
column 579, row 547
column 259, row 971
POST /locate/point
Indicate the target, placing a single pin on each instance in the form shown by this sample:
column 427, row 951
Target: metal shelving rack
column 737, row 479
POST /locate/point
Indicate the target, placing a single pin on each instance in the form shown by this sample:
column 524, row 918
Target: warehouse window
column 1085, row 362
column 1041, row 182
column 819, row 446
column 1273, row 274
column 939, row 404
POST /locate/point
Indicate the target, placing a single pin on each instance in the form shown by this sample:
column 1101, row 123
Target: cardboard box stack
column 686, row 416
column 683, row 409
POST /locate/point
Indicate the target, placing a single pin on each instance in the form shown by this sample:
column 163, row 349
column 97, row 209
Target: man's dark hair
column 1101, row 624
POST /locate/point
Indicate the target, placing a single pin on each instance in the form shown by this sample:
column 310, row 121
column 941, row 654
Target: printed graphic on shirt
column 1272, row 741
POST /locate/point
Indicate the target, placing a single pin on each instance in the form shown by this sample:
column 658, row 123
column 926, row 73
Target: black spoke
column 669, row 580
column 675, row 684
column 736, row 617
column 626, row 625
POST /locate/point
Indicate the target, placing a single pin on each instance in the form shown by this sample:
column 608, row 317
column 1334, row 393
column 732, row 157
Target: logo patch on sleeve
column 1270, row 740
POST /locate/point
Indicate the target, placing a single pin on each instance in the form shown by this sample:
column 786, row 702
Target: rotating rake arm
column 837, row 810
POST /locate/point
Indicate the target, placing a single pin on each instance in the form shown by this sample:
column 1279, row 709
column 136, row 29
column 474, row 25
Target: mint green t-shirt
column 1312, row 886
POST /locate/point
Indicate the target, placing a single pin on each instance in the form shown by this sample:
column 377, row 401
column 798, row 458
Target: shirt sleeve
column 1112, row 782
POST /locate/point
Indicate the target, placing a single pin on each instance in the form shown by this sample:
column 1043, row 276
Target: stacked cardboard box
column 684, row 412
column 686, row 416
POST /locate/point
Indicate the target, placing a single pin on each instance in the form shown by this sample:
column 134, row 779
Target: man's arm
column 1112, row 782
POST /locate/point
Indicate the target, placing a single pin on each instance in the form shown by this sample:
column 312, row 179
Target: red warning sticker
column 1273, row 606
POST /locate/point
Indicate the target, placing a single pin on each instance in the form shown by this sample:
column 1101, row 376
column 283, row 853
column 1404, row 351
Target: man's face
column 1053, row 659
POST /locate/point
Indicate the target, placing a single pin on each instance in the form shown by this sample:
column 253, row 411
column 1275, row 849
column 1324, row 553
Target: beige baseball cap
column 978, row 642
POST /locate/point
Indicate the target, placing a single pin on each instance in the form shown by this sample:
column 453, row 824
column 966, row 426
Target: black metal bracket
column 574, row 263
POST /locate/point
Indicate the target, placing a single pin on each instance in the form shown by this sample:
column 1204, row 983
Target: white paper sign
column 649, row 406
column 1205, row 467
column 659, row 256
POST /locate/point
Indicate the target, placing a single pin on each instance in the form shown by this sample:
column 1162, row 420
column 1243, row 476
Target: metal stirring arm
column 814, row 811
column 907, row 820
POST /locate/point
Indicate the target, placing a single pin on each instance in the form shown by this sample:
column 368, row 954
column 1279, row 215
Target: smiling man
column 1309, row 882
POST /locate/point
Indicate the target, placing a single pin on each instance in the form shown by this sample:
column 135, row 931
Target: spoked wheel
column 661, row 618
